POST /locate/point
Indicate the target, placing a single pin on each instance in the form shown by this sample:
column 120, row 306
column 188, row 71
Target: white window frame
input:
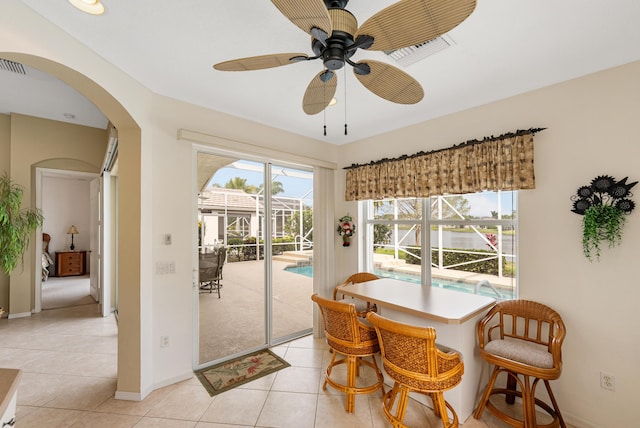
column 426, row 223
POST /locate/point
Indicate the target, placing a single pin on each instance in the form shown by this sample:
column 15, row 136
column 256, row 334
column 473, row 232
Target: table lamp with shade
column 72, row 231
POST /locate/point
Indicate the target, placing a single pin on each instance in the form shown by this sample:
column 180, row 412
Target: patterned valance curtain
column 493, row 163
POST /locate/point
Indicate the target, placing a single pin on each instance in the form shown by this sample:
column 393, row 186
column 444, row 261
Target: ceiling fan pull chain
column 324, row 110
column 345, row 101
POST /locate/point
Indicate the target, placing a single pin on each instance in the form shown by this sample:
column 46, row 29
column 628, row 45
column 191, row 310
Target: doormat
column 225, row 376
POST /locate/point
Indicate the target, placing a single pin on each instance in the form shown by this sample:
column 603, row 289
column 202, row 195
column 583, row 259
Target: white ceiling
column 505, row 47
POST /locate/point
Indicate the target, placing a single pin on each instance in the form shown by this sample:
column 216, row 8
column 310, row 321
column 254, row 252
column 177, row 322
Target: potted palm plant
column 16, row 224
column 604, row 205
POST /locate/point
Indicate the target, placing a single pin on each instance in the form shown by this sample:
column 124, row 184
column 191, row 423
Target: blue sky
column 294, row 187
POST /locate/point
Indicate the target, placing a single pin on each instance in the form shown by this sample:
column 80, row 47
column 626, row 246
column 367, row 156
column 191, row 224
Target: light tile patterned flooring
column 69, row 363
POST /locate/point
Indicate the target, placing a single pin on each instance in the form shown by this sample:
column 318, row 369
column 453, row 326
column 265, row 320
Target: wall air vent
column 12, row 67
column 412, row 54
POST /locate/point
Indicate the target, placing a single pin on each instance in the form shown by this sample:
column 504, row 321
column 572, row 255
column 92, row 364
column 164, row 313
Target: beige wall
column 591, row 130
column 46, row 143
column 5, row 146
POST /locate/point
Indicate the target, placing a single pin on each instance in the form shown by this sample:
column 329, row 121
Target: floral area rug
column 228, row 375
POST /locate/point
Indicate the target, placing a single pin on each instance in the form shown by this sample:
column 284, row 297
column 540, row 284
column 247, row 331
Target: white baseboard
column 139, row 396
column 172, row 380
column 576, row 421
column 19, row 315
column 130, row 396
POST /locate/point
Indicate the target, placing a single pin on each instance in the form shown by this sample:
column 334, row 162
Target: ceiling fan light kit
column 93, row 7
column 335, row 38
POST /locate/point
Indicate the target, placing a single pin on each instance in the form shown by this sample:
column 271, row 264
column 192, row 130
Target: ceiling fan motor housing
column 337, row 46
column 340, row 4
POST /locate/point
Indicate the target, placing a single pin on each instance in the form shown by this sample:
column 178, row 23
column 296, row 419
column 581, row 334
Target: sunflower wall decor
column 604, row 205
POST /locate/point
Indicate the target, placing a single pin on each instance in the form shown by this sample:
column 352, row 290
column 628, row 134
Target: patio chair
column 412, row 359
column 522, row 339
column 362, row 307
column 355, row 339
column 210, row 269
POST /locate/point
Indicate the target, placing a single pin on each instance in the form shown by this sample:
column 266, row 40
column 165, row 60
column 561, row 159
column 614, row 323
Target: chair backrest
column 343, row 329
column 524, row 320
column 410, row 352
column 46, row 239
column 210, row 264
column 356, row 278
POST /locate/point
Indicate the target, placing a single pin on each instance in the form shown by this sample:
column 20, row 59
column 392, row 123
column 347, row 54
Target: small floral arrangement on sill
column 346, row 229
column 604, row 205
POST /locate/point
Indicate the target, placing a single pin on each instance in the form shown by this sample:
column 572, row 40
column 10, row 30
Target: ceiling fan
column 335, row 37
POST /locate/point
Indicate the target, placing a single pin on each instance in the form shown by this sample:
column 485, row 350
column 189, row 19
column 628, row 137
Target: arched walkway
column 129, row 202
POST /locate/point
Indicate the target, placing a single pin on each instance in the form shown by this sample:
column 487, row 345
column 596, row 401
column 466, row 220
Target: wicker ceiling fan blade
column 390, row 83
column 306, row 14
column 319, row 92
column 260, row 62
column 411, row 22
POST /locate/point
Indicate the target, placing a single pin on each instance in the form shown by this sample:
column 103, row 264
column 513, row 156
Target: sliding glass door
column 292, row 249
column 250, row 299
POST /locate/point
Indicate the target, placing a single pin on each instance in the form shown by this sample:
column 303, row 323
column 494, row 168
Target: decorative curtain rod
column 517, row 133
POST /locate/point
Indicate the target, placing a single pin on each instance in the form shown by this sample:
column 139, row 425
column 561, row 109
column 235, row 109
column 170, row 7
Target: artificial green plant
column 16, row 224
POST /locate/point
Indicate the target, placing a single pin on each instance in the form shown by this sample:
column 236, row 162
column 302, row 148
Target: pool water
column 441, row 283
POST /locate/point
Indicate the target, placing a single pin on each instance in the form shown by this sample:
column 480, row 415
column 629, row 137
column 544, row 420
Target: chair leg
column 511, row 386
column 349, row 386
column 487, row 393
column 328, row 373
column 441, row 405
column 527, row 392
column 390, row 398
column 352, row 371
column 403, row 400
column 555, row 404
column 434, row 400
column 528, row 403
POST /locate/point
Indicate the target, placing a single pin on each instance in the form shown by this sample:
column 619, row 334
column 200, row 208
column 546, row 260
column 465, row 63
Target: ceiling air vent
column 412, row 54
column 13, row 67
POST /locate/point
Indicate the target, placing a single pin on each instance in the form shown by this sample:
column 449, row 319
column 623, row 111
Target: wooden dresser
column 71, row 263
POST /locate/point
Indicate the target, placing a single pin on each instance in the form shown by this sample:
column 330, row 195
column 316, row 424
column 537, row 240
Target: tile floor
column 68, row 358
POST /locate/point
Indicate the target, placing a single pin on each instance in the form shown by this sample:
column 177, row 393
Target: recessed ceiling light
column 93, row 7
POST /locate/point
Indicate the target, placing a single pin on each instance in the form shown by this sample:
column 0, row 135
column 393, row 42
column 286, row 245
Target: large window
column 462, row 242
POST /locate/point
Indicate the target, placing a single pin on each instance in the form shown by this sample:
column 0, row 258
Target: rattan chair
column 362, row 307
column 355, row 339
column 522, row 339
column 412, row 359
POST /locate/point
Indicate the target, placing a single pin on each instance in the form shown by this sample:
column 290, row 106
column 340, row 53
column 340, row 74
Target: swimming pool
column 437, row 282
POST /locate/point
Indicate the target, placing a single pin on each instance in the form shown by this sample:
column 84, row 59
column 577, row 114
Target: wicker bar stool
column 352, row 337
column 522, row 339
column 413, row 360
column 362, row 307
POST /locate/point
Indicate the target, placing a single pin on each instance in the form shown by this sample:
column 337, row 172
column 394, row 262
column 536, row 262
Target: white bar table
column 454, row 315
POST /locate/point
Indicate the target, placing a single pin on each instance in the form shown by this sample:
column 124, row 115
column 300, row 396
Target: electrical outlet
column 607, row 381
column 164, row 341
